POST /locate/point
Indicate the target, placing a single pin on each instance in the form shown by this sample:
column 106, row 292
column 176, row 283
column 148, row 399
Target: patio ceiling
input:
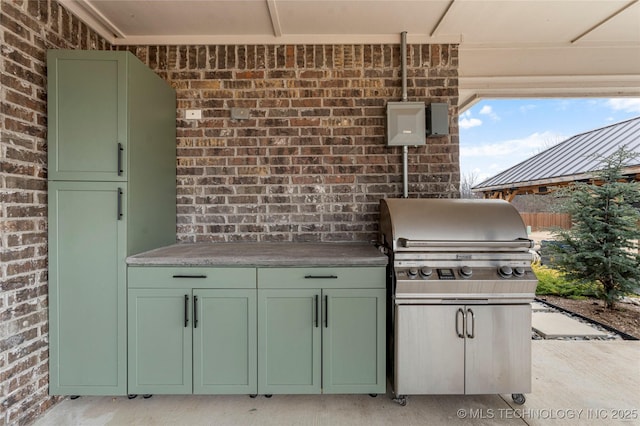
column 508, row 48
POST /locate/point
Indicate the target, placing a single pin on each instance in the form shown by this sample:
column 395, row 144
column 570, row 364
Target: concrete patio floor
column 574, row 382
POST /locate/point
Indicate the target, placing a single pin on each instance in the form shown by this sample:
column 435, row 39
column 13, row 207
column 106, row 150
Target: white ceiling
column 508, row 48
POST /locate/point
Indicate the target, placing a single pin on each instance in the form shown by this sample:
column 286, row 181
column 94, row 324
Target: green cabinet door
column 160, row 341
column 289, row 341
column 87, row 107
column 353, row 341
column 224, row 341
column 87, row 288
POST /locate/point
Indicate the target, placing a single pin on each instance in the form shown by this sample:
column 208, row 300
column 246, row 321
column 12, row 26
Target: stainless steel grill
column 460, row 283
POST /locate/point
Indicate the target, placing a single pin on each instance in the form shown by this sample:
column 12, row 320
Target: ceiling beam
column 94, row 18
column 605, row 20
column 275, row 19
column 444, row 14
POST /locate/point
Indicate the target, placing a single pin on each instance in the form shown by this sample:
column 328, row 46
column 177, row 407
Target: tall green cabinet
column 112, row 180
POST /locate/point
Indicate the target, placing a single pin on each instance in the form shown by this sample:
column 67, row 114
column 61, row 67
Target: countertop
column 262, row 254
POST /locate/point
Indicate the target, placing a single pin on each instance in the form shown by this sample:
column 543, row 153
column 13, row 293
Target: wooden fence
column 543, row 221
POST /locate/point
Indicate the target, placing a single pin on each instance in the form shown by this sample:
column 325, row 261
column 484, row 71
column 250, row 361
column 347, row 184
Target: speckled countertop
column 262, row 254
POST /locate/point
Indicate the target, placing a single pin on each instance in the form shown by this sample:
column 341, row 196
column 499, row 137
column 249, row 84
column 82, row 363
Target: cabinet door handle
column 473, row 325
column 460, row 311
column 120, row 151
column 189, row 276
column 326, row 311
column 320, row 277
column 315, row 321
column 195, row 311
column 119, row 203
column 186, row 310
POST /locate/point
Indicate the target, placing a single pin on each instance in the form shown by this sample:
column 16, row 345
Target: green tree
column 602, row 244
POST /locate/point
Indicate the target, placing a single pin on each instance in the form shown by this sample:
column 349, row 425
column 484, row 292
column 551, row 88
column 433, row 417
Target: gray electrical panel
column 438, row 119
column 406, row 123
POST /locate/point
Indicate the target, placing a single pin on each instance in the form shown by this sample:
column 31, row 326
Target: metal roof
column 573, row 159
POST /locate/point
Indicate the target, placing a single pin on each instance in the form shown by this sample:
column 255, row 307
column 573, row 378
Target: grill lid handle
column 514, row 244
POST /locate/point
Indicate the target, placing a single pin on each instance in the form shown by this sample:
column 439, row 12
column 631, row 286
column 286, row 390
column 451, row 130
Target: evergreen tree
column 602, row 244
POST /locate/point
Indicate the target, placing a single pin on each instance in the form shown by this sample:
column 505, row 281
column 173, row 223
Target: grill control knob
column 505, row 271
column 425, row 271
column 466, row 272
column 412, row 272
column 518, row 271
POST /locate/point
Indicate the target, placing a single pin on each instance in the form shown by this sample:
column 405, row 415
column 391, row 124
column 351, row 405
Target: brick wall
column 311, row 163
column 27, row 28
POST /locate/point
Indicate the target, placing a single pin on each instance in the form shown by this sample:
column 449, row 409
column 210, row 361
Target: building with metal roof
column 575, row 159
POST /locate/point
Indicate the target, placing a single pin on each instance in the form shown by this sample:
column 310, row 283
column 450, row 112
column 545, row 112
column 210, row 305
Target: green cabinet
column 321, row 330
column 87, row 288
column 87, row 117
column 289, row 341
column 111, row 172
column 160, row 341
column 353, row 341
column 207, row 330
column 184, row 339
column 225, row 342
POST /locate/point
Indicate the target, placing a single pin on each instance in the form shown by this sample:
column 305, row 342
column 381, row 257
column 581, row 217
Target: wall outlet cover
column 193, row 114
column 239, row 113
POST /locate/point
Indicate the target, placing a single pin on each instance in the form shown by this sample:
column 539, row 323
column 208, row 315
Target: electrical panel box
column 406, row 123
column 438, row 119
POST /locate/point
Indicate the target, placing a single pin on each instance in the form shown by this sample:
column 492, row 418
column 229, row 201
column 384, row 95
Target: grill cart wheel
column 147, row 396
column 518, row 398
column 132, row 396
column 401, row 399
column 253, row 395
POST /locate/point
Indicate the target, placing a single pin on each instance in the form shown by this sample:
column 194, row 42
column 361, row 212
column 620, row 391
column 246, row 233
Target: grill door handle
column 458, row 313
column 473, row 325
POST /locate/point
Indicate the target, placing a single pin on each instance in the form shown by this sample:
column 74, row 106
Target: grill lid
column 441, row 224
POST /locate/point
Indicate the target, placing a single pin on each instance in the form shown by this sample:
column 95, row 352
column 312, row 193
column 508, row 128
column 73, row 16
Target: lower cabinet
column 289, row 341
column 209, row 331
column 192, row 340
column 160, row 341
column 353, row 341
column 225, row 342
column 482, row 349
column 317, row 340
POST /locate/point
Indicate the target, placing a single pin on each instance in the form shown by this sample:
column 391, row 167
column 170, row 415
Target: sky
column 496, row 134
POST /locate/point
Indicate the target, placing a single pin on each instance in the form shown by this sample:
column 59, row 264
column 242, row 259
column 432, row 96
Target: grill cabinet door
column 498, row 357
column 429, row 353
